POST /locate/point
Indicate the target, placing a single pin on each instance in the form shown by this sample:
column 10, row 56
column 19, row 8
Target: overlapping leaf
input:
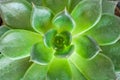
column 113, row 52
column 41, row 19
column 86, row 14
column 13, row 70
column 107, row 31
column 108, row 6
column 63, row 21
column 16, row 14
column 17, row 44
column 57, row 5
column 36, row 72
column 41, row 54
column 3, row 29
column 99, row 68
column 59, row 69
column 86, row 47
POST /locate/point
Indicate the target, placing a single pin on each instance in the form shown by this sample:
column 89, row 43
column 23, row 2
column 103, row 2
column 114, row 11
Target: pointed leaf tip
column 41, row 19
column 63, row 21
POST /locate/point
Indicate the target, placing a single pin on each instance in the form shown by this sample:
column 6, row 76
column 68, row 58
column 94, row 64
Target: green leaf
column 65, row 52
column 57, row 5
column 118, row 75
column 16, row 14
column 74, row 3
column 13, row 70
column 86, row 15
column 49, row 37
column 59, row 69
column 107, row 31
column 36, row 2
column 41, row 19
column 36, row 72
column 16, row 44
column 41, row 54
column 99, row 68
column 3, row 29
column 86, row 47
column 63, row 21
column 76, row 73
column 113, row 52
column 108, row 6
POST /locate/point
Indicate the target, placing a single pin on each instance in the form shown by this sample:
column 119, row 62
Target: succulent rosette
column 59, row 40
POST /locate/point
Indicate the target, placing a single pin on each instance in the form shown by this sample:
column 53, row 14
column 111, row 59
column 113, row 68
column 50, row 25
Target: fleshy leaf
column 107, row 31
column 118, row 75
column 59, row 69
column 36, row 72
column 86, row 47
column 41, row 19
column 16, row 14
column 63, row 21
column 113, row 52
column 57, row 5
column 76, row 73
column 99, row 68
column 16, row 44
column 41, row 54
column 49, row 37
column 86, row 14
column 67, row 51
column 36, row 2
column 108, row 6
column 13, row 70
column 3, row 29
column 73, row 4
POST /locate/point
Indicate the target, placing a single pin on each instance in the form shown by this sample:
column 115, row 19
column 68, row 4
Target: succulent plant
column 59, row 40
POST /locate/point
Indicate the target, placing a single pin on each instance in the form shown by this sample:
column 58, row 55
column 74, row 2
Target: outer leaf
column 76, row 73
column 59, row 70
column 41, row 19
column 57, row 5
column 16, row 44
column 41, row 54
column 3, row 29
column 107, row 31
column 63, row 21
column 13, row 70
column 86, row 15
column 36, row 72
column 118, row 75
column 113, row 52
column 16, row 14
column 36, row 2
column 99, row 68
column 86, row 47
column 74, row 3
column 108, row 6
